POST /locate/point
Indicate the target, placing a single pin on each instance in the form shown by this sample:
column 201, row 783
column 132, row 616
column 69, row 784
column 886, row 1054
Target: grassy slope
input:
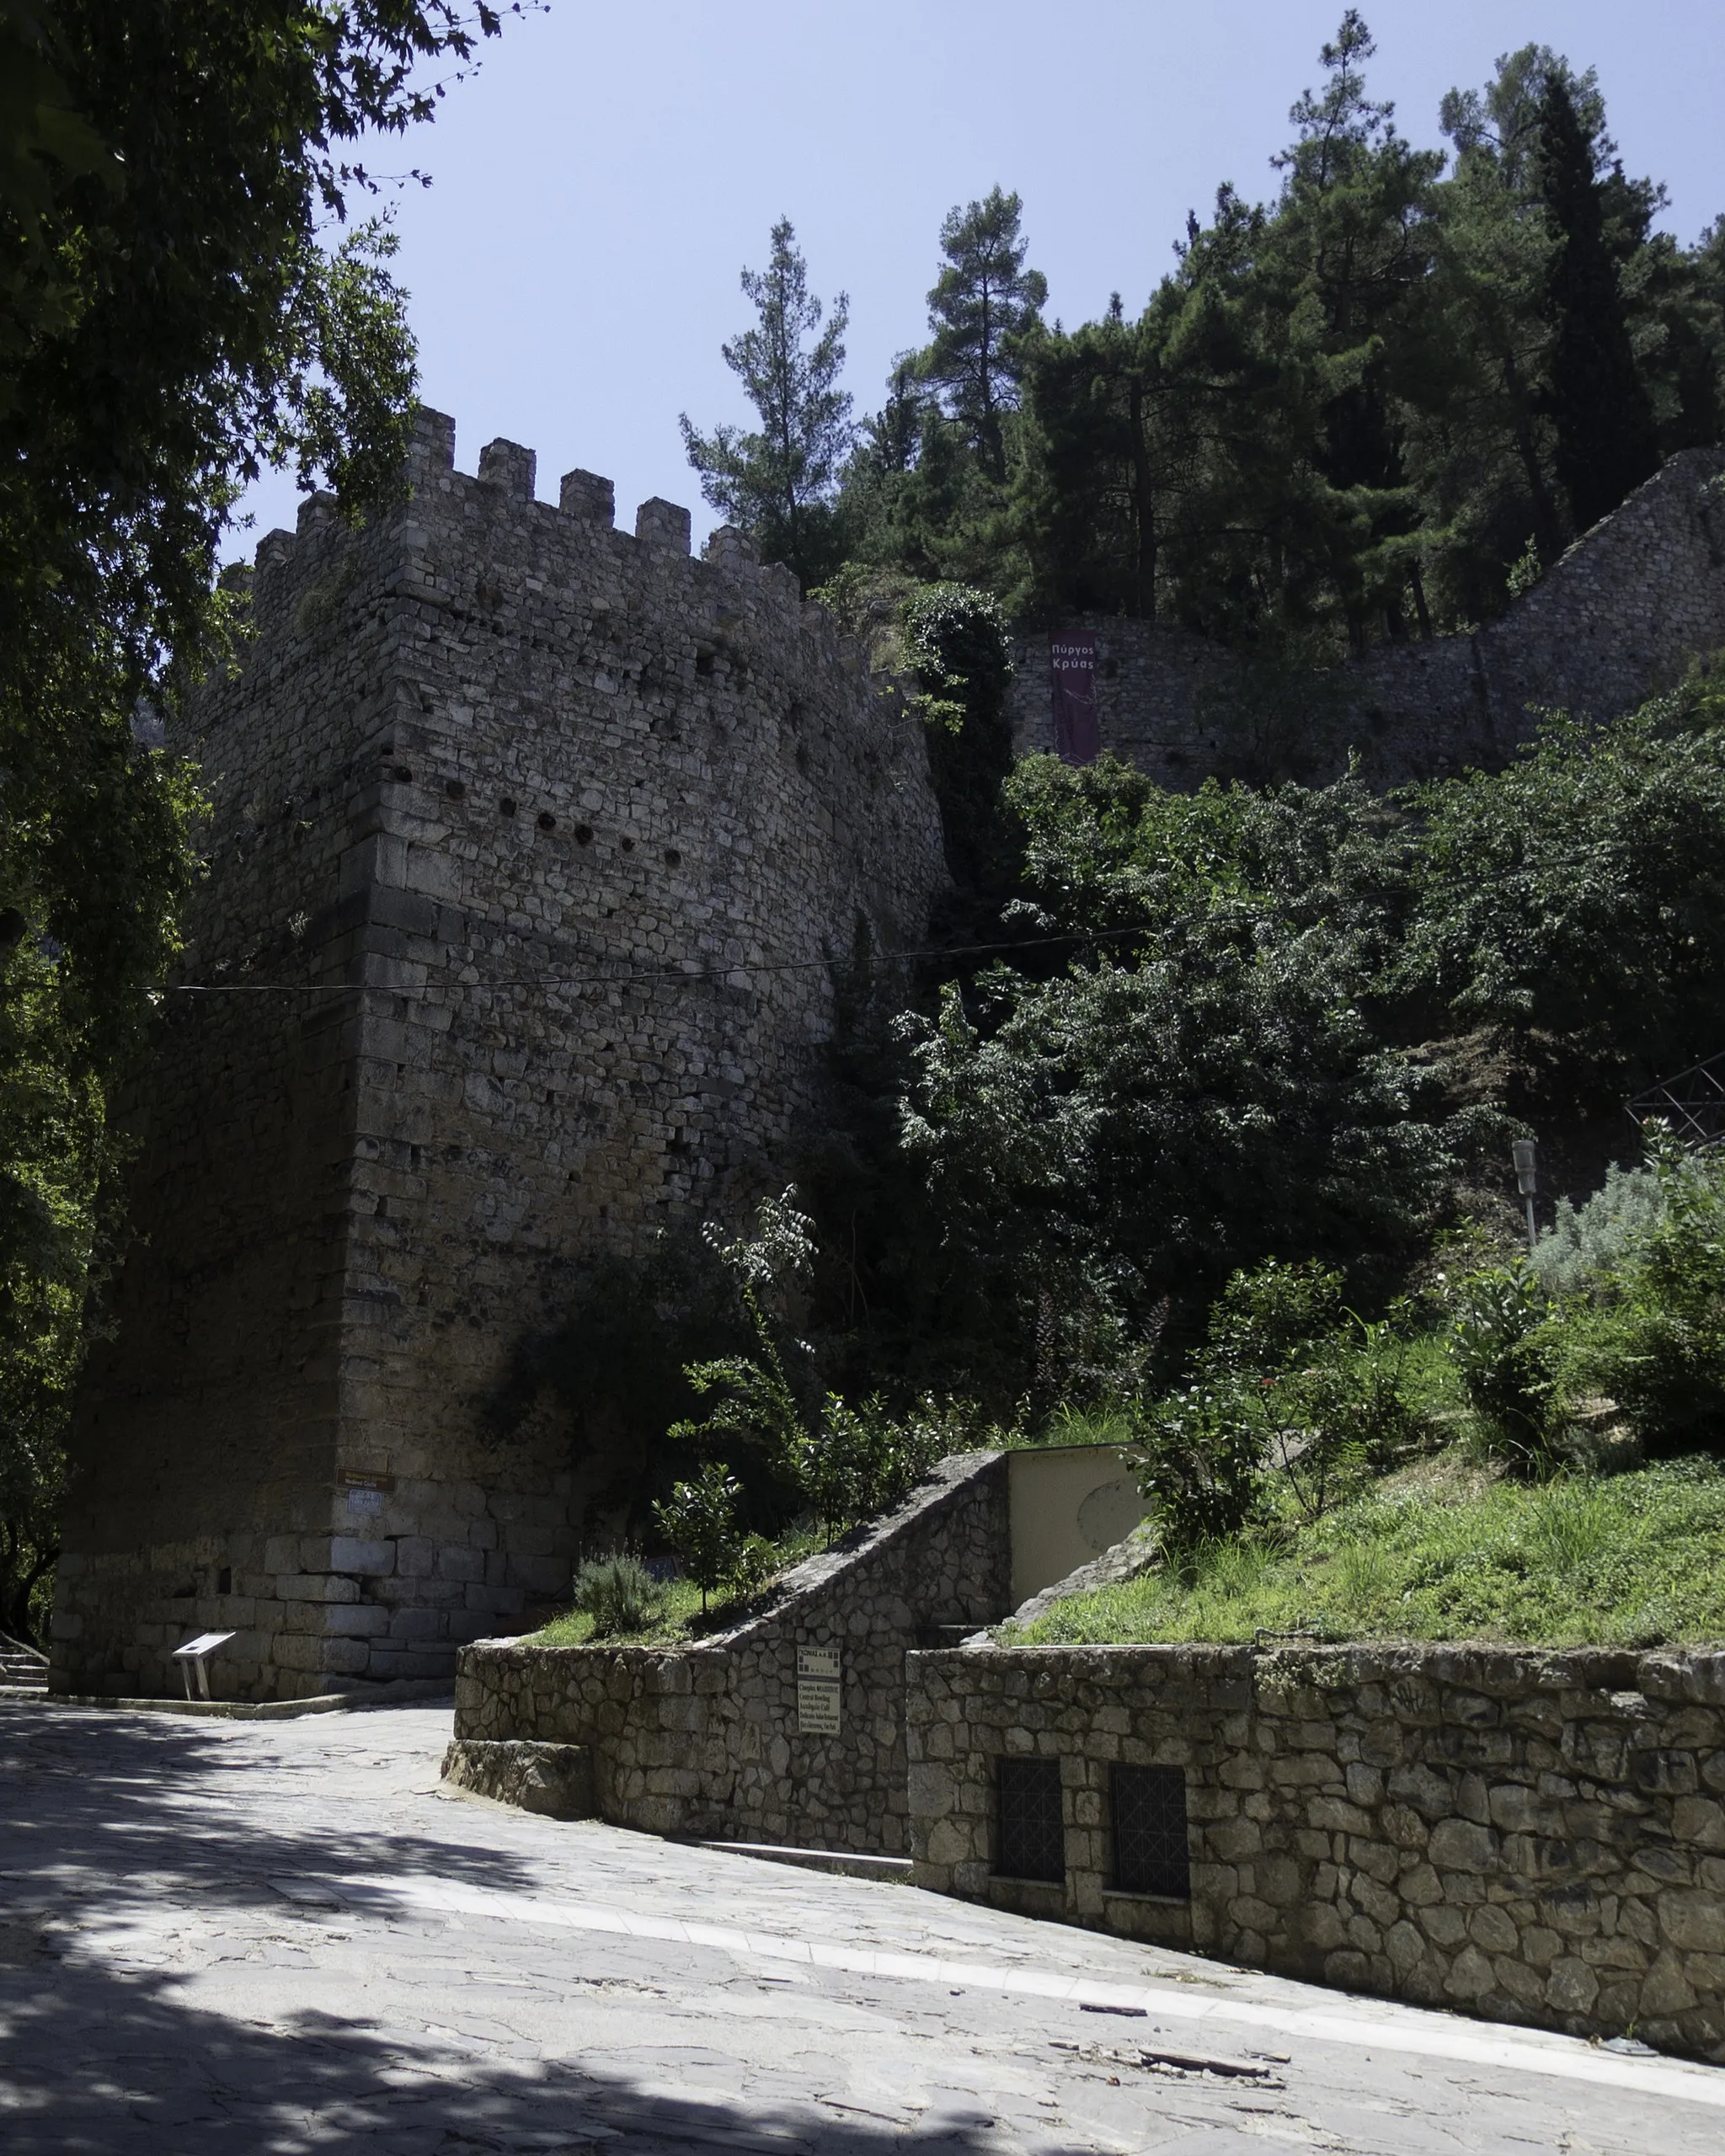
column 1444, row 1551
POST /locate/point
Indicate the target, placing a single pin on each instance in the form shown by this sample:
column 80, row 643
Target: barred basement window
column 1149, row 1809
column 1030, row 1841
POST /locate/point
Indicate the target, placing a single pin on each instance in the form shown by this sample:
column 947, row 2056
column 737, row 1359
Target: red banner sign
column 1072, row 670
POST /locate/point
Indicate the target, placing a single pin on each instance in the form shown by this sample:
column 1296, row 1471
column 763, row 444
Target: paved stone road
column 282, row 1936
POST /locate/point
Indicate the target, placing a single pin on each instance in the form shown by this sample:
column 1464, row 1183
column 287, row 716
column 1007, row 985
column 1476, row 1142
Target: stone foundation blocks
column 555, row 1780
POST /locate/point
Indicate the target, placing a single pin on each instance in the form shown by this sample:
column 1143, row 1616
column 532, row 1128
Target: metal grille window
column 1032, row 1842
column 1150, row 1831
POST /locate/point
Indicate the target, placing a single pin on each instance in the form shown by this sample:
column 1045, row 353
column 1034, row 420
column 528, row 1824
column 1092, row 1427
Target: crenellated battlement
column 583, row 516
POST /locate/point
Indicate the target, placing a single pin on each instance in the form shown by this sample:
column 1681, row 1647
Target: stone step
column 841, row 1864
column 22, row 1671
column 554, row 1779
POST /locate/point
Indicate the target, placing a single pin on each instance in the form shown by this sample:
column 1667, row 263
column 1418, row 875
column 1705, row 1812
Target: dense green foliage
column 1245, row 1024
column 1580, row 894
column 170, row 320
column 1290, row 1395
column 955, row 644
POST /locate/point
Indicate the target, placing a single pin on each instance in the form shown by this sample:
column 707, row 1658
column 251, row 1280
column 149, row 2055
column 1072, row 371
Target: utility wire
column 707, row 972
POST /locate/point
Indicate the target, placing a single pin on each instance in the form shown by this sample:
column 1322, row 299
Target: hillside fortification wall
column 533, row 841
column 1617, row 618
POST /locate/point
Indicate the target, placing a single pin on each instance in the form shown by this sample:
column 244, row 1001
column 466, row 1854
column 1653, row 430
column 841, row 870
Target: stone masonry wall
column 1533, row 1837
column 533, row 841
column 1614, row 620
column 703, row 1739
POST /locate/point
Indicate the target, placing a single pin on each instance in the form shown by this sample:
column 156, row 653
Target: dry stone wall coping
column 1530, row 1835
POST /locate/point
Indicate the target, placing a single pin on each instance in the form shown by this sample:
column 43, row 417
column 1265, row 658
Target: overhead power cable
column 705, row 970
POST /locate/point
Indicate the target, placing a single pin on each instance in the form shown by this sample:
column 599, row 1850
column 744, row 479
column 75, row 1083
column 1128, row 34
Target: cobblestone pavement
column 283, row 1936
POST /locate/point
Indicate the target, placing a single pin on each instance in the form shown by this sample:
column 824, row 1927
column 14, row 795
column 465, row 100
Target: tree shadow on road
column 100, row 2061
column 104, row 1816
column 139, row 1797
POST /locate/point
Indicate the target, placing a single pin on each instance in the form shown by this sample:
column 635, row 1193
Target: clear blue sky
column 601, row 182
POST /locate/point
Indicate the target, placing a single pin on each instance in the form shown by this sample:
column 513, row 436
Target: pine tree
column 779, row 483
column 1607, row 444
column 1107, row 449
column 1344, row 273
column 983, row 300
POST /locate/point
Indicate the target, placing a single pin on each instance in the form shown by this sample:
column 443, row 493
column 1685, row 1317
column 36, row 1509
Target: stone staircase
column 24, row 1671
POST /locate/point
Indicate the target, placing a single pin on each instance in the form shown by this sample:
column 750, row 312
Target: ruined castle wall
column 532, row 842
column 1617, row 618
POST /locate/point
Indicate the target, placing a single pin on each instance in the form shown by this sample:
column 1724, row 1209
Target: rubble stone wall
column 1616, row 619
column 533, row 844
column 704, row 1739
column 1533, row 1837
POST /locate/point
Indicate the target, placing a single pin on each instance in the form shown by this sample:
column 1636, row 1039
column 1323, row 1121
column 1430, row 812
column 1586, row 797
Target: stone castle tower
column 531, row 843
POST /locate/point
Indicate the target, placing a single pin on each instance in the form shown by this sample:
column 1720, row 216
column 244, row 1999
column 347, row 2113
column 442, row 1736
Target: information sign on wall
column 818, row 1688
column 366, row 1489
column 1072, row 672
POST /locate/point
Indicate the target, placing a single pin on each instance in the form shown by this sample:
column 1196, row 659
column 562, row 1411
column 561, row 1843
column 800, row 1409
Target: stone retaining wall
column 1533, row 1837
column 704, row 1739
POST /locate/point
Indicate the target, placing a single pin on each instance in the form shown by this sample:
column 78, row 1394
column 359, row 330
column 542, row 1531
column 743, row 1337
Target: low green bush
column 1292, row 1400
column 616, row 1593
column 1502, row 1342
column 1650, row 1332
column 1589, row 1242
column 699, row 1520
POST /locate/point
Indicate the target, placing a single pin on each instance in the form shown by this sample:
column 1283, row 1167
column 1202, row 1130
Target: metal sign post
column 1525, row 1154
column 196, row 1654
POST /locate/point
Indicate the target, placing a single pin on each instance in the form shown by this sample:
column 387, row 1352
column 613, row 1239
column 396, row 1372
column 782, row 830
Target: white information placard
column 820, row 1683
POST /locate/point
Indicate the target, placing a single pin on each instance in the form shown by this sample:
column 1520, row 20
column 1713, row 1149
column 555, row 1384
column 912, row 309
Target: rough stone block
column 350, row 1553
column 584, row 494
column 415, row 1557
column 316, row 1586
column 1694, row 1923
column 555, row 1780
column 1460, row 1845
